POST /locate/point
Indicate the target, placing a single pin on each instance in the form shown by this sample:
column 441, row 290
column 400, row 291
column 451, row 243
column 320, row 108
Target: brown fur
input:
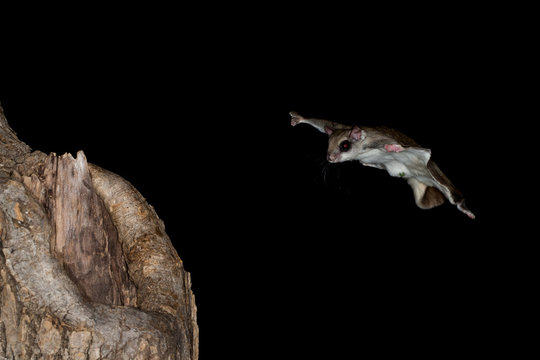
column 432, row 198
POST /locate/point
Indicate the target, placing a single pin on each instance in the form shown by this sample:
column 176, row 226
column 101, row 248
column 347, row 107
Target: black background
column 290, row 256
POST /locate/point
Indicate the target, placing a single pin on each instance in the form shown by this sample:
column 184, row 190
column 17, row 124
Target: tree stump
column 86, row 268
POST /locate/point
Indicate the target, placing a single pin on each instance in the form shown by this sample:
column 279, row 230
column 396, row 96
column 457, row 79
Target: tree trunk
column 86, row 268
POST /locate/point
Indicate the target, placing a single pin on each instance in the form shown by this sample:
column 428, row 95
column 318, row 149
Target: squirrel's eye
column 345, row 146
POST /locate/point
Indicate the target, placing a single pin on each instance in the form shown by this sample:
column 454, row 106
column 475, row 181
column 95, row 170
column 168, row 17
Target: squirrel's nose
column 332, row 157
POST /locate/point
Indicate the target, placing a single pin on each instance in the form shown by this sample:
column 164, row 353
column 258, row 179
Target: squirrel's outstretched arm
column 319, row 124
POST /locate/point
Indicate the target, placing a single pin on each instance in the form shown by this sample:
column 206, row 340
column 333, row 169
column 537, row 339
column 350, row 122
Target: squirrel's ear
column 357, row 134
column 328, row 130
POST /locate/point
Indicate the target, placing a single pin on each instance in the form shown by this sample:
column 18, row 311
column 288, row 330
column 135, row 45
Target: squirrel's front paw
column 295, row 118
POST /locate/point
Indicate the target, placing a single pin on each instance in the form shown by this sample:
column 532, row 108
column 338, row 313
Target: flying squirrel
column 386, row 148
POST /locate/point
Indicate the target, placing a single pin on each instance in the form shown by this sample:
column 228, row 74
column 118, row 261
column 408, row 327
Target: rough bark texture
column 86, row 268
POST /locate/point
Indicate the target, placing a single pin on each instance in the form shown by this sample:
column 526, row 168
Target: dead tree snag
column 87, row 270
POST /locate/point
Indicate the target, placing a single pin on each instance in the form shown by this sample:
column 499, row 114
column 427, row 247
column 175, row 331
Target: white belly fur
column 397, row 169
column 410, row 163
column 405, row 164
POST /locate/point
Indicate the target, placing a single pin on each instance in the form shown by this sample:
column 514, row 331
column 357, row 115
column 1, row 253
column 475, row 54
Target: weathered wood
column 86, row 268
column 154, row 265
column 85, row 239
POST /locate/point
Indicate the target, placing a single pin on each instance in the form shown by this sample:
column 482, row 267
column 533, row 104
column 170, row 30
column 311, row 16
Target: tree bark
column 87, row 270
